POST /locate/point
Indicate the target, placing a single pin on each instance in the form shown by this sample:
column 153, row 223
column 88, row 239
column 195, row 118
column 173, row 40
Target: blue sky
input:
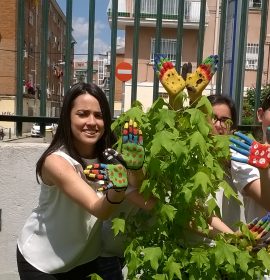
column 80, row 14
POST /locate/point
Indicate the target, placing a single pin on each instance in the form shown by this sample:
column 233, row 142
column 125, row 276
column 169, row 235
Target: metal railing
column 169, row 10
column 185, row 10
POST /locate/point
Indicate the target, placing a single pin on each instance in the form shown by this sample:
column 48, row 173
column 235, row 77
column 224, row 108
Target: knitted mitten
column 169, row 78
column 197, row 81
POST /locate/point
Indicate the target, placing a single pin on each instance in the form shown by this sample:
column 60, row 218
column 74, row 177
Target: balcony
column 255, row 4
column 149, row 13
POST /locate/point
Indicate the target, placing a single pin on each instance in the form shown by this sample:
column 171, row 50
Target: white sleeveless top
column 59, row 234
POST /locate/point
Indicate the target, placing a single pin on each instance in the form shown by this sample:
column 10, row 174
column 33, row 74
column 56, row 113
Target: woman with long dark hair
column 61, row 239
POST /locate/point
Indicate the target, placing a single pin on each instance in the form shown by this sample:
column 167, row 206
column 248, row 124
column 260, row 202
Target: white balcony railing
column 170, row 9
column 255, row 4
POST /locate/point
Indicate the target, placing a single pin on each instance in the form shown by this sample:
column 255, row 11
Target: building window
column 252, row 56
column 255, row 4
column 167, row 48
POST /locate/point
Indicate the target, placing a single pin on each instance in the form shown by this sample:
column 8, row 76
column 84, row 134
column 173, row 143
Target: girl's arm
column 216, row 226
column 57, row 171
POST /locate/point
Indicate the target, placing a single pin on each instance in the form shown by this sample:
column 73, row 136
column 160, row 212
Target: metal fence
column 178, row 9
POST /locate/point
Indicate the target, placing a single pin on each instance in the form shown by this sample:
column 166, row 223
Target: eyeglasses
column 225, row 122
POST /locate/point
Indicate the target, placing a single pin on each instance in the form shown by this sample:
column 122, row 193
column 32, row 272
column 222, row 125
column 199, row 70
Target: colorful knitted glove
column 257, row 154
column 260, row 227
column 168, row 76
column 113, row 157
column 109, row 176
column 197, row 81
column 132, row 149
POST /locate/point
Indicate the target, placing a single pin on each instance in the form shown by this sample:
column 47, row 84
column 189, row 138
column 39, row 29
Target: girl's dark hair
column 63, row 135
column 266, row 102
column 222, row 99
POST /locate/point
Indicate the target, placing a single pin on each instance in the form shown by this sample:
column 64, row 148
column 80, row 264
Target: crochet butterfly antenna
column 197, row 81
column 168, row 76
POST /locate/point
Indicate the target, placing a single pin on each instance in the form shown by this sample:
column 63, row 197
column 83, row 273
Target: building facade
column 32, row 59
column 147, row 33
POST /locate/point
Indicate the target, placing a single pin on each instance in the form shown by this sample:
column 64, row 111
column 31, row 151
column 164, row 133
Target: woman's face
column 222, row 119
column 87, row 125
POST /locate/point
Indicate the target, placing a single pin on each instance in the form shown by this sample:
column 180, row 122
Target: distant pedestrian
column 2, row 134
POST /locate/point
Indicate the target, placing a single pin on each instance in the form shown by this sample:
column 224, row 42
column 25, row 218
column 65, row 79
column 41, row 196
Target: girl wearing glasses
column 224, row 121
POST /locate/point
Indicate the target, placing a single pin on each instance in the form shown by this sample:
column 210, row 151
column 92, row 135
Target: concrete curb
column 16, row 138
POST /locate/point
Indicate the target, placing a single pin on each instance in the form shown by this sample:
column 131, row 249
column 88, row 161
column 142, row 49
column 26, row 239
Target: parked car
column 35, row 130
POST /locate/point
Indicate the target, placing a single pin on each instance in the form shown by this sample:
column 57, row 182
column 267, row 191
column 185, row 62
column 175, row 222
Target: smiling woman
column 61, row 239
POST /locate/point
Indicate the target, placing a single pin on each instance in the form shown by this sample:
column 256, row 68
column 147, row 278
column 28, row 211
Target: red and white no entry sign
column 123, row 71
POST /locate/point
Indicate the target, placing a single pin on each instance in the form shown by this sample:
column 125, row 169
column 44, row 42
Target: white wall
column 18, row 196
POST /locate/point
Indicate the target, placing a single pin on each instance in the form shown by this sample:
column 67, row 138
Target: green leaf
column 153, row 255
column 198, row 119
column 211, row 203
column 228, row 191
column 159, row 277
column 203, row 180
column 197, row 140
column 224, row 253
column 199, row 257
column 167, row 212
column 243, row 260
column 264, row 256
column 179, row 100
column 133, row 261
column 179, row 149
column 158, row 104
column 204, row 127
column 118, row 225
column 94, row 277
column 166, row 118
column 187, row 194
column 163, row 139
column 195, row 116
column 205, row 103
column 173, row 268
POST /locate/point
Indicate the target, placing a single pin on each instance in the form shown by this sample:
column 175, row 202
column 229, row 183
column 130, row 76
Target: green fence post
column 157, row 45
column 91, row 36
column 135, row 51
column 43, row 62
column 201, row 33
column 113, row 54
column 179, row 44
column 264, row 15
column 221, row 45
column 239, row 67
column 68, row 61
column 20, row 64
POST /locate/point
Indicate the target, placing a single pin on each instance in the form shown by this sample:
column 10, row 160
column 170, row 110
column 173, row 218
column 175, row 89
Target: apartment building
column 147, row 33
column 32, row 58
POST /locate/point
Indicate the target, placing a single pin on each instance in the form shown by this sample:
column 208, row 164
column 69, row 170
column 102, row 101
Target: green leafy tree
column 249, row 103
column 184, row 168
